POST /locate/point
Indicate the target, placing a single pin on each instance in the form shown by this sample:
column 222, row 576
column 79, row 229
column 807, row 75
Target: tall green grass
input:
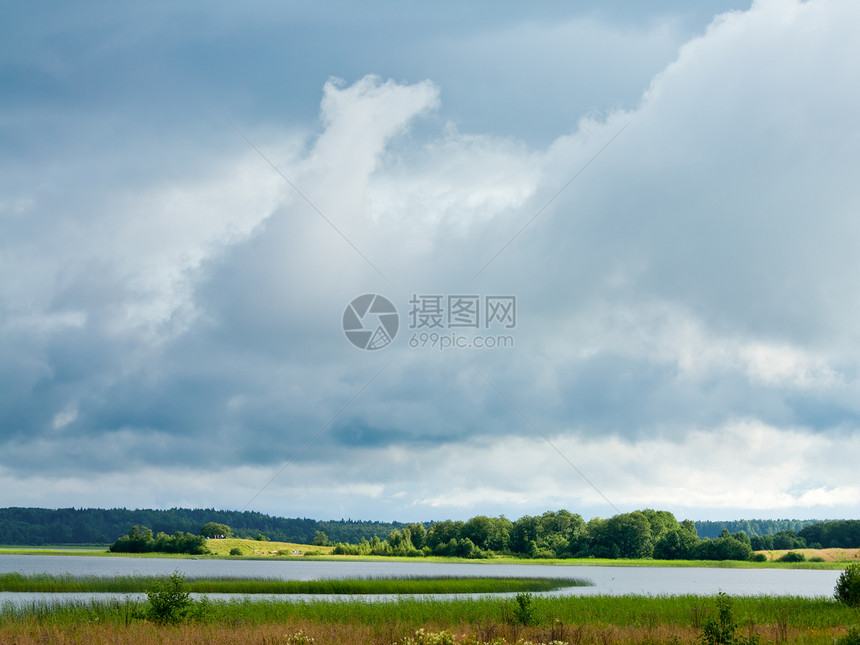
column 598, row 611
column 401, row 585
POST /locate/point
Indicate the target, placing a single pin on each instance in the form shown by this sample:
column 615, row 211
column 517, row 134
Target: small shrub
column 793, row 556
column 816, row 558
column 235, row 551
column 169, row 600
column 722, row 630
column 524, row 611
column 848, row 586
column 201, row 610
column 758, row 557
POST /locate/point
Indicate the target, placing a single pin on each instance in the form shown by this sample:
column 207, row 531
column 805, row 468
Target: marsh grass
column 784, row 612
column 588, row 620
column 298, row 632
column 401, row 585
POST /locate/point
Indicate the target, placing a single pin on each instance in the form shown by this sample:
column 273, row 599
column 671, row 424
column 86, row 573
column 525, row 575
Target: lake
column 612, row 581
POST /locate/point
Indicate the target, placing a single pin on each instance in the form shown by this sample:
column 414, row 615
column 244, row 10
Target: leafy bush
column 235, row 551
column 721, row 631
column 816, row 558
column 758, row 557
column 169, row 600
column 793, row 556
column 524, row 611
column 848, row 586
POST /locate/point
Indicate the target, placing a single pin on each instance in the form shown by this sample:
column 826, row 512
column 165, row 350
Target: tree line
column 646, row 533
column 140, row 539
column 38, row 526
column 562, row 534
column 710, row 529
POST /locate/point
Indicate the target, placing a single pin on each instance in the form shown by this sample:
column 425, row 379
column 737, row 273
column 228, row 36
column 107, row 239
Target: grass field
column 264, row 549
column 828, row 555
column 17, row 582
column 253, row 549
column 597, row 620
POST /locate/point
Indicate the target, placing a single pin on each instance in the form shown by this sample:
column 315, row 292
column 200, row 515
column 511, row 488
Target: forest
column 38, row 526
column 640, row 534
column 562, row 534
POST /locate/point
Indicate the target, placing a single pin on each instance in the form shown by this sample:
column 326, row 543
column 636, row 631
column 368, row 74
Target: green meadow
column 586, row 620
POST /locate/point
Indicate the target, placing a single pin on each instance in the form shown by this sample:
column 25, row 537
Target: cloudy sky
column 192, row 194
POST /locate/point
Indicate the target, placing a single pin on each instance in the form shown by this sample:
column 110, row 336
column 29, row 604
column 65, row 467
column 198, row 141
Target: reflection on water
column 614, row 581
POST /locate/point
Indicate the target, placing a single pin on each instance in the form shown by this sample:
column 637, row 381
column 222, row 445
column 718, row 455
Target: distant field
column 833, row 558
column 267, row 549
column 829, row 555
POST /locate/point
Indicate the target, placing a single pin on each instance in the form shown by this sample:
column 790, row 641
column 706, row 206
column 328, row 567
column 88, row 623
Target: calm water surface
column 613, row 581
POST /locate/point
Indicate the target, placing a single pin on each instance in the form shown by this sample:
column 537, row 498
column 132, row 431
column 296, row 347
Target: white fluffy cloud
column 689, row 299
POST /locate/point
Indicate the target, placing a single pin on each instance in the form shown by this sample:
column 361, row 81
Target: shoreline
column 570, row 562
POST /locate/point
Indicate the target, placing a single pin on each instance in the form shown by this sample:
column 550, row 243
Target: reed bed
column 400, row 585
column 411, row 613
column 291, row 624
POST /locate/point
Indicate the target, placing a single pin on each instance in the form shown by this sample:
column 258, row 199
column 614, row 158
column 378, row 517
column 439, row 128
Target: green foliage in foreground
column 722, row 628
column 169, row 599
column 402, row 585
column 848, row 586
column 633, row 611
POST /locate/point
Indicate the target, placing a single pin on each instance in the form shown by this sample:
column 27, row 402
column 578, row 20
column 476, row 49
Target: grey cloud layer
column 694, row 288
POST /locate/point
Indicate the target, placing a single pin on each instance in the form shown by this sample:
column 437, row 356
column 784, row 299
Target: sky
column 610, row 254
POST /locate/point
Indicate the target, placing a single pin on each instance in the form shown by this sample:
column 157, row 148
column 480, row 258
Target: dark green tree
column 677, row 544
column 690, row 527
column 443, row 532
column 629, row 536
column 660, row 523
column 418, row 533
column 138, row 540
column 722, row 548
column 215, row 529
column 525, row 530
column 489, row 533
column 848, row 586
